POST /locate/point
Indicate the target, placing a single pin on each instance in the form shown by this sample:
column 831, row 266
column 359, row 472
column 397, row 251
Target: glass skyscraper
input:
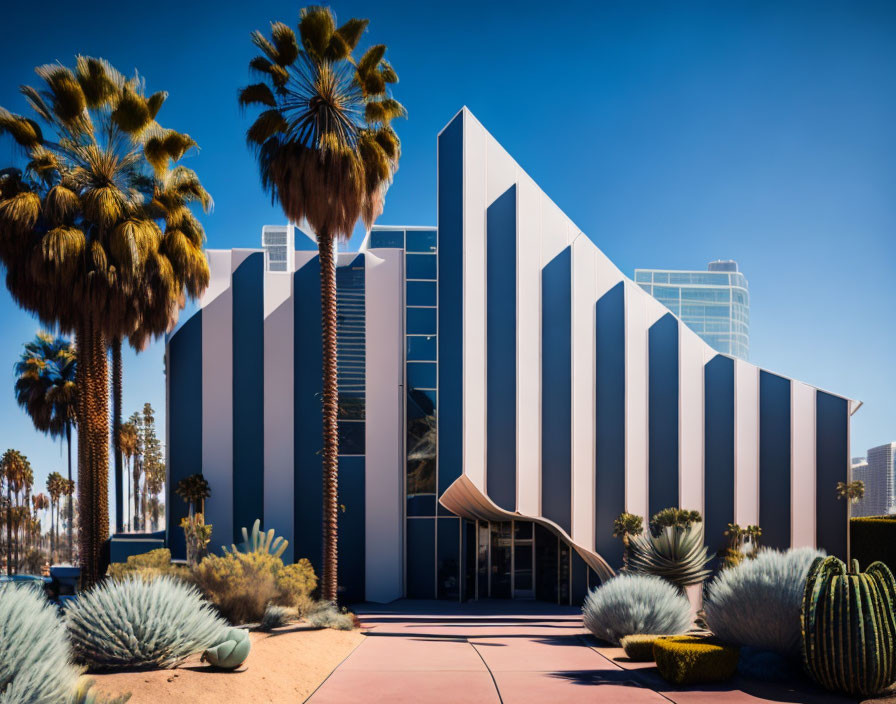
column 878, row 471
column 714, row 303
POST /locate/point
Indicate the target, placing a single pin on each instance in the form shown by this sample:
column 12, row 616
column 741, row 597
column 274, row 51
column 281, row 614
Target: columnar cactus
column 849, row 626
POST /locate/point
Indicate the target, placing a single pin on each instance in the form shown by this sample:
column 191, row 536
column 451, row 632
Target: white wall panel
column 279, row 406
column 384, row 463
column 528, row 351
column 501, row 171
column 583, row 389
column 475, row 170
column 691, row 352
column 802, row 473
column 636, row 305
column 554, row 230
column 746, row 443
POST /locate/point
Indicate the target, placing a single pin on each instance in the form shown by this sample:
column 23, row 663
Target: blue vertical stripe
column 184, row 365
column 774, row 460
column 718, row 443
column 662, row 423
column 421, row 558
column 308, row 426
column 450, row 297
column 832, row 466
column 556, row 389
column 610, row 421
column 351, row 529
column 501, row 350
column 248, row 394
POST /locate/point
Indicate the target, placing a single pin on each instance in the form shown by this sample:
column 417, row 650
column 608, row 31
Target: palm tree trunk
column 116, row 428
column 330, row 549
column 93, row 436
column 52, row 536
column 70, row 506
column 8, row 528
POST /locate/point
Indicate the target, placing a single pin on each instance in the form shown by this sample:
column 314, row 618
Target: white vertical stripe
column 474, row 388
column 691, row 351
column 802, row 472
column 217, row 394
column 384, row 465
column 746, row 443
column 636, row 500
column 528, row 350
column 279, row 407
column 583, row 389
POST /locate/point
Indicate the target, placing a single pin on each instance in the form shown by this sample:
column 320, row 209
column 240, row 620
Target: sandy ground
column 284, row 666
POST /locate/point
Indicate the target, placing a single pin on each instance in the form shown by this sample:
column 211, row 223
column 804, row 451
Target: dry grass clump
column 240, row 584
column 325, row 614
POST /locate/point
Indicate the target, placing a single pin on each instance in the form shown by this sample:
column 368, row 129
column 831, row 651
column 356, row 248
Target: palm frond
column 257, row 94
column 24, row 131
column 266, row 125
column 67, row 97
column 155, row 101
column 316, row 27
column 131, row 113
column 351, row 32
column 95, row 80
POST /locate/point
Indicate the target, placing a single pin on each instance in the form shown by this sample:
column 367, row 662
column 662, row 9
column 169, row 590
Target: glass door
column 523, row 561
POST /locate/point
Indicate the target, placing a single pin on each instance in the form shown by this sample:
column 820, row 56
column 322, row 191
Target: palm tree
column 194, row 490
column 127, row 442
column 41, row 502
column 56, row 485
column 851, row 491
column 83, row 246
column 46, row 389
column 327, row 152
column 625, row 526
column 14, row 468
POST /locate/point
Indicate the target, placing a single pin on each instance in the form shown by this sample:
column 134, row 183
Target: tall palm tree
column 127, row 442
column 327, row 152
column 14, row 468
column 56, row 485
column 83, row 247
column 45, row 387
column 41, row 503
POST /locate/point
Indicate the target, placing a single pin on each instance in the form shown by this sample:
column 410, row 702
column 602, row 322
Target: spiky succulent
column 137, row 623
column 35, row 657
column 757, row 603
column 635, row 604
column 260, row 542
column 676, row 553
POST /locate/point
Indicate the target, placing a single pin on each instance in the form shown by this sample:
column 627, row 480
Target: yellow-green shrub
column 154, row 563
column 240, row 584
column 691, row 660
column 296, row 582
column 639, row 647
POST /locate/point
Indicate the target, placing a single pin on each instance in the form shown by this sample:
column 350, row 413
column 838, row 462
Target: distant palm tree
column 84, row 247
column 128, row 442
column 625, row 526
column 46, row 388
column 851, row 491
column 40, row 502
column 56, row 485
column 194, row 490
column 327, row 152
column 15, row 471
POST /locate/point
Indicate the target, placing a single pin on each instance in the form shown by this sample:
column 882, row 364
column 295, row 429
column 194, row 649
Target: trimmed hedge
column 639, row 647
column 693, row 660
column 873, row 539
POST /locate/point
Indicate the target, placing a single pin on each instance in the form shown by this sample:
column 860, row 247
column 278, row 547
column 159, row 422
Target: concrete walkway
column 495, row 652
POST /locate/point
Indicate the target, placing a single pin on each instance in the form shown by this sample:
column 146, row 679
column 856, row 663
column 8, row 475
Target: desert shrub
column 757, row 603
column 325, row 614
column 296, row 582
column 639, row 646
column 240, row 584
column 636, row 604
column 690, row 660
column 154, row 563
column 276, row 616
column 35, row 657
column 141, row 623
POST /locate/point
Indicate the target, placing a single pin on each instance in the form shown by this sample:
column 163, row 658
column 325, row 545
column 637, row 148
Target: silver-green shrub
column 141, row 623
column 36, row 666
column 757, row 603
column 634, row 604
column 325, row 614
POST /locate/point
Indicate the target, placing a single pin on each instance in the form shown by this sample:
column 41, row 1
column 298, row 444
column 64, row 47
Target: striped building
column 505, row 393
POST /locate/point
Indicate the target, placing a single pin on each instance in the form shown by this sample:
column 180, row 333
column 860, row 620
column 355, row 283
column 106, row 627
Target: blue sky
column 673, row 133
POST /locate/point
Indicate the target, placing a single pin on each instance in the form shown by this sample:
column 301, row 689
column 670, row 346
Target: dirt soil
column 286, row 665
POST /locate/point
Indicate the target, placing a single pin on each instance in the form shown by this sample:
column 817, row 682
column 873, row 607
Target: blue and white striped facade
column 554, row 390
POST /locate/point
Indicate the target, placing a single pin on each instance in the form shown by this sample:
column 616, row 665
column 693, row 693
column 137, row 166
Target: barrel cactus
column 849, row 626
column 141, row 623
column 230, row 651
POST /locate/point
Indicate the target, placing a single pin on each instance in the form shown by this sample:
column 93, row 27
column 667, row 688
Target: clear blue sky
column 673, row 133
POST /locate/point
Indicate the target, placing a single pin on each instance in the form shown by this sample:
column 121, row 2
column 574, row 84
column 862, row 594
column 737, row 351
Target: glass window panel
column 421, row 443
column 421, row 504
column 351, row 437
column 421, row 241
column 642, row 276
column 448, row 550
column 421, row 321
column 660, row 278
column 422, row 375
column 387, row 238
column 422, row 347
column 501, row 560
column 420, row 266
column 421, row 293
column 647, row 287
column 665, row 292
column 351, row 405
column 522, row 530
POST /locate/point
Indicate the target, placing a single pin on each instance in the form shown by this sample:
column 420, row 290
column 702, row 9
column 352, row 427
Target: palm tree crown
column 45, row 383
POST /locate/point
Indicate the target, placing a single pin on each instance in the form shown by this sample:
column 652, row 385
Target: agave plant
column 35, row 658
column 138, row 623
column 676, row 553
column 635, row 604
column 260, row 542
column 757, row 603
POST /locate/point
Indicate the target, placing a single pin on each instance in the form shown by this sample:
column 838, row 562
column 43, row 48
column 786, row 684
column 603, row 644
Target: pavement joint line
column 489, row 670
column 341, row 662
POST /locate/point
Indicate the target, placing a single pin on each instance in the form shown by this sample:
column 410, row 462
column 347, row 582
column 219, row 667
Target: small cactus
column 259, row 541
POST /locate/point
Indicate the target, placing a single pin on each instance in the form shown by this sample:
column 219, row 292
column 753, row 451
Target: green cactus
column 231, row 651
column 260, row 542
column 849, row 626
